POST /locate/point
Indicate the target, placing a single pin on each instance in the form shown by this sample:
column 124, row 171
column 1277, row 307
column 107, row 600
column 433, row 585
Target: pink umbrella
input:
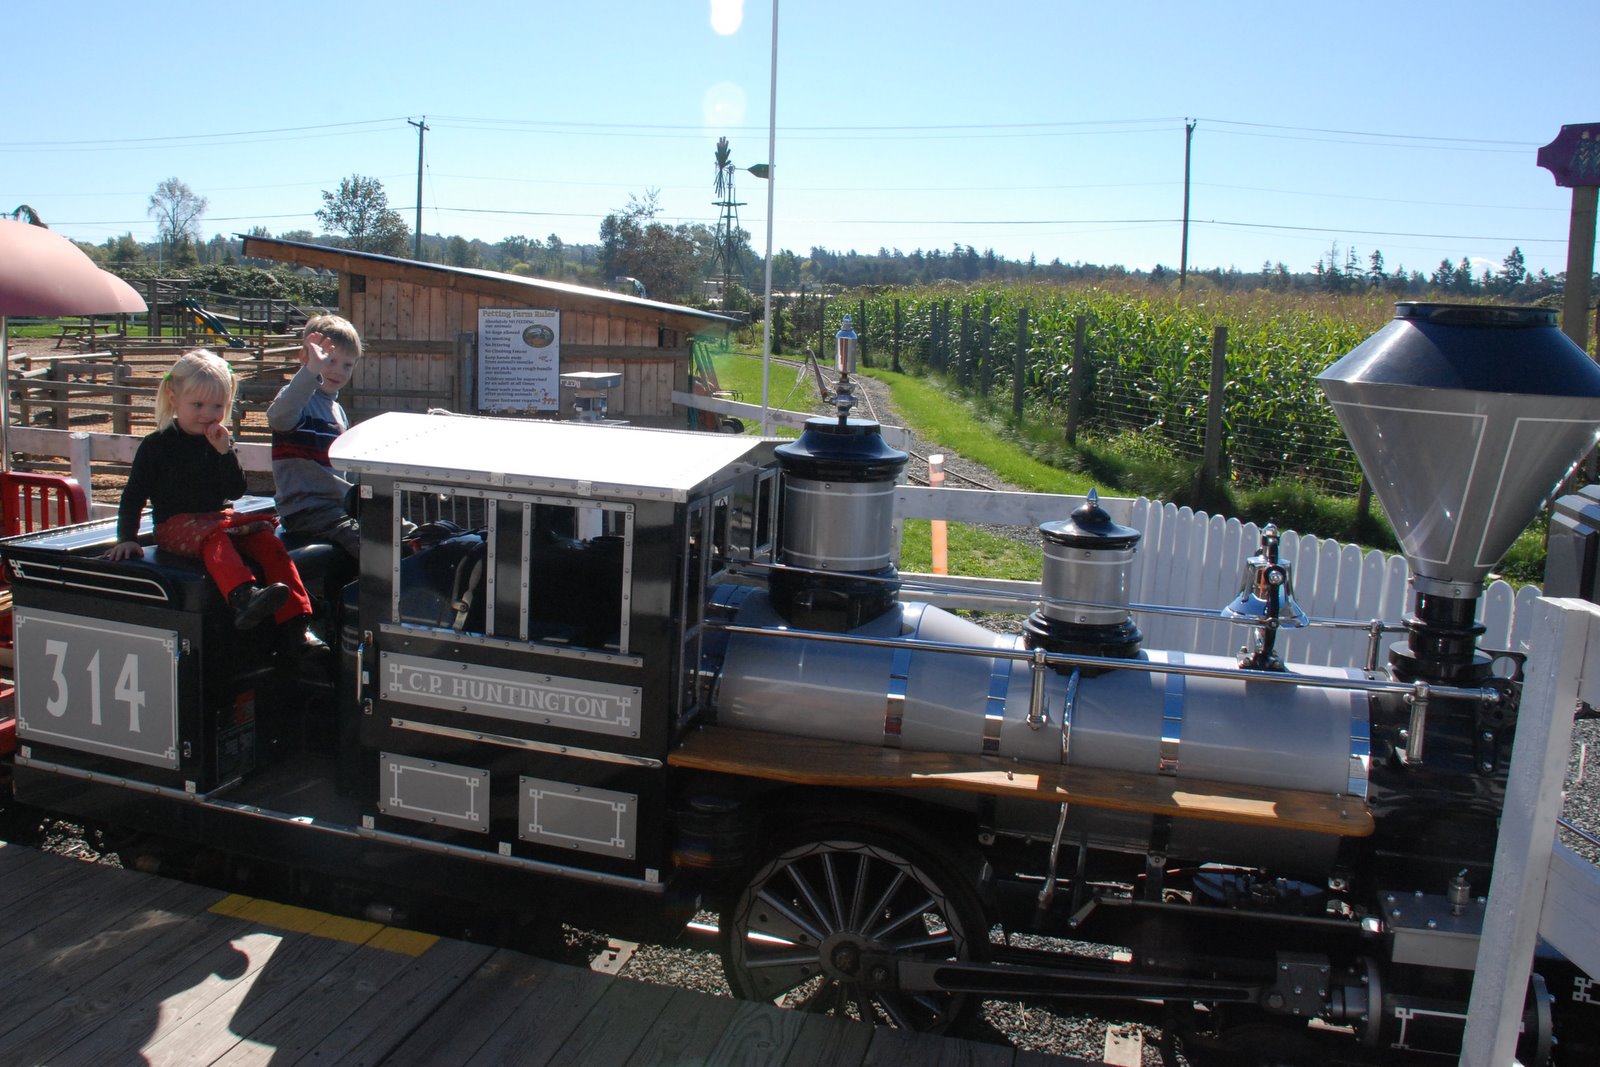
column 44, row 274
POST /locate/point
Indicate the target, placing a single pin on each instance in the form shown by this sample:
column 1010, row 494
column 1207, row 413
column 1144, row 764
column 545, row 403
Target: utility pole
column 422, row 128
column 1183, row 261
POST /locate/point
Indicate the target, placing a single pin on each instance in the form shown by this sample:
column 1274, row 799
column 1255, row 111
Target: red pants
column 217, row 539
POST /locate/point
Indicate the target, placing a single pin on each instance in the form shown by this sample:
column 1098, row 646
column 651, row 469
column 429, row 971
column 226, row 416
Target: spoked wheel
column 798, row 932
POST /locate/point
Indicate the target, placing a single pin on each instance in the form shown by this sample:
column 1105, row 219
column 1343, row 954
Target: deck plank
column 616, row 1026
column 165, row 973
column 380, row 1023
column 758, row 1035
column 118, row 1010
column 688, row 1028
column 76, row 990
column 34, row 936
column 30, row 892
column 826, row 1039
column 100, row 901
column 894, row 1048
column 544, row 1020
column 296, row 961
column 183, row 996
column 320, row 1010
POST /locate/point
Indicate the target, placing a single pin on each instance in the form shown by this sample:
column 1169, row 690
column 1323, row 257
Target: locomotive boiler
column 585, row 666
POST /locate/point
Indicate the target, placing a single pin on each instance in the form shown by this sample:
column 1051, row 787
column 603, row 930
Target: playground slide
column 211, row 323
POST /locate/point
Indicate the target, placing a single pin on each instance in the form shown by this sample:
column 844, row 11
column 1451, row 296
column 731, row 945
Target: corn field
column 1147, row 364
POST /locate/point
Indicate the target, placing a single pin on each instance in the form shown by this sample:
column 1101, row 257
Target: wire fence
column 1106, row 364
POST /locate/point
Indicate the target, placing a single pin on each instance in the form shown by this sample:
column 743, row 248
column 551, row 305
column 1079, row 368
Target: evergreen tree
column 1513, row 269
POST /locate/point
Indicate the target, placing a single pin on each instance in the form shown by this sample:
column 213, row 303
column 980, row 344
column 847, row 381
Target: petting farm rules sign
column 519, row 359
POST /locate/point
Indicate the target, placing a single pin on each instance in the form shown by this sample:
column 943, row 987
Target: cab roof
column 585, row 459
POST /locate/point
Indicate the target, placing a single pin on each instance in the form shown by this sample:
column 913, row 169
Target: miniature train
column 645, row 671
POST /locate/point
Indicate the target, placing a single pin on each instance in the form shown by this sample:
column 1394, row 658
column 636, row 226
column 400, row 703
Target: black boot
column 253, row 604
column 297, row 642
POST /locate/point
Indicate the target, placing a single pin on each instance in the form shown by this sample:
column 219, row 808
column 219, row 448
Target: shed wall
column 420, row 343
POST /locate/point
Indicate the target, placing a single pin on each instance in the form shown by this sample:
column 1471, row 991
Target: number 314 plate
column 97, row 686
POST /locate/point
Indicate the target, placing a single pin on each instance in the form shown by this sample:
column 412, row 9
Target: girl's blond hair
column 200, row 369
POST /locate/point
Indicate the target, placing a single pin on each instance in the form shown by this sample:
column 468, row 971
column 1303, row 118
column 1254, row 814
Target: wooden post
column 1075, row 377
column 985, row 351
column 941, row 336
column 861, row 330
column 122, row 400
column 80, row 449
column 1211, row 470
column 964, row 346
column 895, row 357
column 1019, row 372
column 1580, row 265
column 57, row 416
column 1573, row 163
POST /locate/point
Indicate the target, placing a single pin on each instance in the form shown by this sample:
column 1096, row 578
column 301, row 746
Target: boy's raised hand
column 315, row 347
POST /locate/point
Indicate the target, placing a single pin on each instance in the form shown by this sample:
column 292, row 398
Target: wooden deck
column 103, row 966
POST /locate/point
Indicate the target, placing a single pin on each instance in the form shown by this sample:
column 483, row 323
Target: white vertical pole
column 1560, row 638
column 772, row 173
column 938, row 532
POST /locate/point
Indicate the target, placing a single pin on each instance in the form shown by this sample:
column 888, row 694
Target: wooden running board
column 810, row 761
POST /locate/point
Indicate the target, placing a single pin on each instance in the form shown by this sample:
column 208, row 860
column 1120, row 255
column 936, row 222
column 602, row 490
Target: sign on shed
column 519, row 359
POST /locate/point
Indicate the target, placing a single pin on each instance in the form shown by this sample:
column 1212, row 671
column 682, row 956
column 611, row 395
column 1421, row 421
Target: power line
column 978, row 131
column 1363, row 133
column 197, row 139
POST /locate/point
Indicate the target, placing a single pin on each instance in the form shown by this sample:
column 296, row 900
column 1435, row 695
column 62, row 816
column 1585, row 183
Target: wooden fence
column 102, row 392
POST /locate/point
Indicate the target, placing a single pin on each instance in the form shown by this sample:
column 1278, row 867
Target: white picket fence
column 1197, row 560
column 1189, row 559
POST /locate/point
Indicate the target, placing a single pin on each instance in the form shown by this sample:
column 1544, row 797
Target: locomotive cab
column 518, row 683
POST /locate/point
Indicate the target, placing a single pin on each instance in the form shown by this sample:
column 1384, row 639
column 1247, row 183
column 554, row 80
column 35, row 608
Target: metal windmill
column 729, row 236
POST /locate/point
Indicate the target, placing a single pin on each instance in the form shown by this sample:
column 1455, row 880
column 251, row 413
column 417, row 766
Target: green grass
column 936, row 415
column 740, row 372
column 972, row 552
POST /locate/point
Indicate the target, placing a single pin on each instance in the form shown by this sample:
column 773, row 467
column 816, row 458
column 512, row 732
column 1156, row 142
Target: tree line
column 636, row 250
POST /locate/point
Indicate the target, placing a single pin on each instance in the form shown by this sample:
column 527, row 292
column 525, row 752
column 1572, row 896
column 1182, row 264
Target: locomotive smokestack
column 1465, row 419
column 836, row 536
column 1087, row 559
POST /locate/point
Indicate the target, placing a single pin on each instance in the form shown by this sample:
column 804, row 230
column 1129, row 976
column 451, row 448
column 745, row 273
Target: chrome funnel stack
column 1465, row 419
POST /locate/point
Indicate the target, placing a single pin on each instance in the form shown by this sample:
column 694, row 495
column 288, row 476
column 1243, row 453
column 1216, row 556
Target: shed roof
column 514, row 287
column 584, row 458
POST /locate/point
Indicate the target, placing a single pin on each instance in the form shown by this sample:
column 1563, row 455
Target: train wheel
column 796, row 934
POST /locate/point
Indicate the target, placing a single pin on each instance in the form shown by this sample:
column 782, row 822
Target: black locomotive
column 590, row 666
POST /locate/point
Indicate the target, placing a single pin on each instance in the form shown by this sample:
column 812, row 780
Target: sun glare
column 727, row 16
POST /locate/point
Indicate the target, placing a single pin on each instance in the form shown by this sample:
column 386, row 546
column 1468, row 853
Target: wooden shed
column 430, row 344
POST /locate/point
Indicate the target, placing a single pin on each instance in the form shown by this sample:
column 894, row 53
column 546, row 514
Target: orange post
column 939, row 533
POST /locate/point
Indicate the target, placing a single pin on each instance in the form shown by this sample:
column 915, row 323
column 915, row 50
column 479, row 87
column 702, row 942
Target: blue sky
column 1053, row 129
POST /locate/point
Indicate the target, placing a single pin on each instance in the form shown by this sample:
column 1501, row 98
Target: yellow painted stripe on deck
column 405, row 942
column 321, row 924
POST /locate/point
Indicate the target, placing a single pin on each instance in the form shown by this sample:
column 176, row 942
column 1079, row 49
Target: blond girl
column 188, row 471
